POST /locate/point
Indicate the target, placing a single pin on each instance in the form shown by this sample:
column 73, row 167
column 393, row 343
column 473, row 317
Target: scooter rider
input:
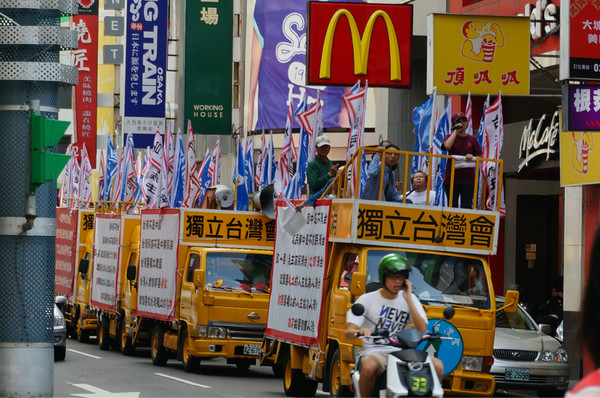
column 393, row 312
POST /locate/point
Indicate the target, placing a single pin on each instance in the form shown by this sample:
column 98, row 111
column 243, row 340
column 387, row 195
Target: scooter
column 409, row 372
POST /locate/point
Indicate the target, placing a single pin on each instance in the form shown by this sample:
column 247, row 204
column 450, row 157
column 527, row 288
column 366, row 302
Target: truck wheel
column 125, row 344
column 83, row 336
column 278, row 370
column 103, row 335
column 157, row 349
column 243, row 364
column 336, row 389
column 190, row 362
column 294, row 382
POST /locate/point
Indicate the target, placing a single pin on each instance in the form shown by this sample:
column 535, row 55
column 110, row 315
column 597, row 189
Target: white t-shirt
column 419, row 198
column 391, row 315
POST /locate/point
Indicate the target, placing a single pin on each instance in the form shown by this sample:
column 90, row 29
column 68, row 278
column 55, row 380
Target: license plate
column 251, row 349
column 516, row 374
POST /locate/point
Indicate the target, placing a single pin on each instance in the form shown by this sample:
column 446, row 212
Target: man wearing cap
column 389, row 191
column 458, row 142
column 320, row 169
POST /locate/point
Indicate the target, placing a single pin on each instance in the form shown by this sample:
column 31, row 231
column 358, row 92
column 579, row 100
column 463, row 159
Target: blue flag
column 422, row 116
column 205, row 179
column 239, row 179
column 439, row 164
column 249, row 165
column 111, row 171
column 176, row 195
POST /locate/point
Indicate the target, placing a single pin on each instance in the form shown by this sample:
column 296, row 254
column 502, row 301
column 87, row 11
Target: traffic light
column 43, row 165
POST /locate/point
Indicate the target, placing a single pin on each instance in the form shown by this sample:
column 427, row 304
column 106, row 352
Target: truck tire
column 125, row 344
column 336, row 389
column 83, row 336
column 157, row 349
column 190, row 362
column 294, row 382
column 103, row 335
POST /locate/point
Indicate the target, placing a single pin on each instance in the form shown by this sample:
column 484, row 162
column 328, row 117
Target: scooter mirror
column 449, row 312
column 358, row 309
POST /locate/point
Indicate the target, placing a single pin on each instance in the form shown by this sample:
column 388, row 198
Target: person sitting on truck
column 418, row 194
column 389, row 192
column 404, row 308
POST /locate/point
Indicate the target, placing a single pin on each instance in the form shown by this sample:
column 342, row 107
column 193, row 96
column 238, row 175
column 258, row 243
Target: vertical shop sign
column 85, row 58
column 583, row 109
column 145, row 70
column 580, row 40
column 208, row 65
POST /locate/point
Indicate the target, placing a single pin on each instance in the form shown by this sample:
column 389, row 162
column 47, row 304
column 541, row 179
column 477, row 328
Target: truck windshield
column 250, row 272
column 439, row 278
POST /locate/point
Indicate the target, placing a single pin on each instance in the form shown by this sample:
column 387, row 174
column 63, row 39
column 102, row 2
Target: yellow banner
column 479, row 54
column 579, row 158
column 422, row 227
column 86, row 224
column 227, row 228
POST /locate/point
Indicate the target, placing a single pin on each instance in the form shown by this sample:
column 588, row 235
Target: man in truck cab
column 393, row 312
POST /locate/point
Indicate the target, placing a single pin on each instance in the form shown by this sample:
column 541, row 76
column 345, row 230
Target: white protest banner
column 106, row 265
column 299, row 265
column 65, row 251
column 157, row 276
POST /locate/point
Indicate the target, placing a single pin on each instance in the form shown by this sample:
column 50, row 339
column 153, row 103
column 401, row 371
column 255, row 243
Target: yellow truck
column 73, row 254
column 323, row 266
column 200, row 283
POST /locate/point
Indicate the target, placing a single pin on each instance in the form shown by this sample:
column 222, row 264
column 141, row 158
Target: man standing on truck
column 392, row 312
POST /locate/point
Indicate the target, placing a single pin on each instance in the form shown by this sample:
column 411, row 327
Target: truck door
column 189, row 294
column 341, row 297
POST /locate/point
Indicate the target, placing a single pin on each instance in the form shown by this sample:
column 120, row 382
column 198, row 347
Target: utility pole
column 30, row 75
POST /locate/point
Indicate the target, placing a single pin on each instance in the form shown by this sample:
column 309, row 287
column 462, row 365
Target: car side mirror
column 84, row 265
column 131, row 272
column 357, row 287
column 545, row 328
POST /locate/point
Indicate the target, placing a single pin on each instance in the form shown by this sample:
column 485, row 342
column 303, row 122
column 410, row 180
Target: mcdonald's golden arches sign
column 352, row 41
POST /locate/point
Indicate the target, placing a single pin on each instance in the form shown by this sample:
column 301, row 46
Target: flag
column 293, row 190
column 116, row 194
column 469, row 115
column 192, row 179
column 355, row 104
column 152, row 178
column 249, row 164
column 176, row 194
column 85, row 191
column 139, row 194
column 163, row 197
column 270, row 167
column 128, row 176
column 260, row 162
column 438, row 165
column 169, row 158
column 111, row 171
column 215, row 165
column 65, row 185
column 205, row 179
column 288, row 155
column 101, row 173
column 422, row 120
column 143, row 171
column 311, row 121
column 492, row 147
column 239, row 180
column 480, row 139
column 75, row 184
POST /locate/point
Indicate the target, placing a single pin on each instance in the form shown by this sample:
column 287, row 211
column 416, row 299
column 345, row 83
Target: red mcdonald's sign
column 352, row 41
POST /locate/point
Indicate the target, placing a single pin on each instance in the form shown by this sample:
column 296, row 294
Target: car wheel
column 60, row 353
column 159, row 353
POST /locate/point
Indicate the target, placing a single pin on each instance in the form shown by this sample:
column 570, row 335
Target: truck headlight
column 473, row 364
column 201, row 331
column 217, row 332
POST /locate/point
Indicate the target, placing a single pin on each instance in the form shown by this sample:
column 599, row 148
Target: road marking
column 182, row 380
column 83, row 353
column 98, row 392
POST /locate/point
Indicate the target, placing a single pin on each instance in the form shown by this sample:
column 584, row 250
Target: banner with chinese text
column 105, row 271
column 65, row 251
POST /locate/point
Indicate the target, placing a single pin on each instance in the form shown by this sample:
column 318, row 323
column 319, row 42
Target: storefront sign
column 348, row 42
column 539, row 139
column 583, row 110
column 580, row 40
column 478, row 54
column 580, row 158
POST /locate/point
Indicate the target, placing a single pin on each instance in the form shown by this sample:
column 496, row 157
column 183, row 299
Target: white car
column 526, row 358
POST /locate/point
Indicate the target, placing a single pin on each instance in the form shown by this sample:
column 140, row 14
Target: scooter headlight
column 357, row 350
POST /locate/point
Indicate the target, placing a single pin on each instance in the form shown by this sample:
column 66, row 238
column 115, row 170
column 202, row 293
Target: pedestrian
column 320, row 169
column 458, row 142
column 589, row 324
column 389, row 192
column 418, row 194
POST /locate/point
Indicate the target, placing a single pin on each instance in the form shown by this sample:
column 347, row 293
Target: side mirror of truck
column 511, row 301
column 198, row 278
column 131, row 272
column 359, row 280
column 84, row 265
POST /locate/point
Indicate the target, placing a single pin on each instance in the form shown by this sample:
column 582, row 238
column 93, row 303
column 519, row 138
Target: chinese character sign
column 580, row 40
column 145, row 71
column 208, row 60
column 106, row 261
column 85, row 58
column 65, row 250
column 579, row 158
column 157, row 279
column 299, row 267
column 478, row 54
column 583, row 111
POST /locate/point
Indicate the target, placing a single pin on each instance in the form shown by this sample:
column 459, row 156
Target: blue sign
column 449, row 351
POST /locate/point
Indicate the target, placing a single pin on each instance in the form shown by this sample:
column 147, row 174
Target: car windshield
column 249, row 272
column 516, row 320
column 440, row 279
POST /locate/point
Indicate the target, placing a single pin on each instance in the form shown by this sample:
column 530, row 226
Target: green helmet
column 391, row 264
